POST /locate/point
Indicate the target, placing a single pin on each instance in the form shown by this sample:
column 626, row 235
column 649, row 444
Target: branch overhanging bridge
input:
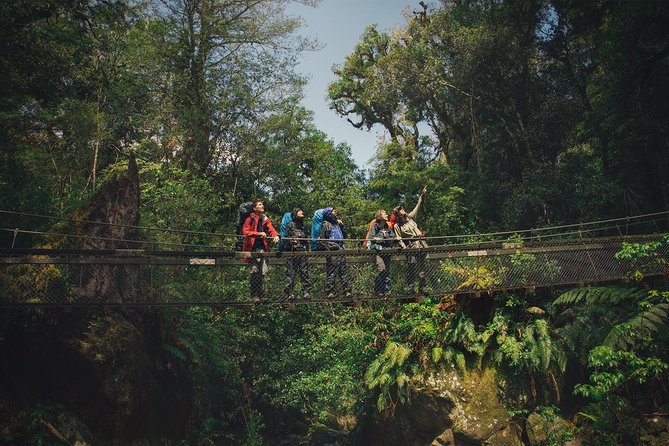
column 140, row 276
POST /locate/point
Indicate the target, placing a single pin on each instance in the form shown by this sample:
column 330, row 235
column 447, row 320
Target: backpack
column 285, row 221
column 316, row 224
column 244, row 210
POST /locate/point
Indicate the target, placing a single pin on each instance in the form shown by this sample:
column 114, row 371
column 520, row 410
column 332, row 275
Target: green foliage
column 634, row 251
column 614, row 368
column 318, row 369
column 449, row 357
column 253, row 428
column 175, row 198
column 530, row 130
column 646, row 256
column 634, row 314
column 389, row 373
column 599, row 295
column 626, row 357
column 426, row 340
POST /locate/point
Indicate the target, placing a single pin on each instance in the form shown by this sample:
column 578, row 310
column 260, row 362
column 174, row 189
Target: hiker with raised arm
column 382, row 237
column 296, row 239
column 331, row 238
column 409, row 236
column 256, row 229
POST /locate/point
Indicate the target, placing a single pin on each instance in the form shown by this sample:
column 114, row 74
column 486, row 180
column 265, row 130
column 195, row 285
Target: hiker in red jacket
column 256, row 229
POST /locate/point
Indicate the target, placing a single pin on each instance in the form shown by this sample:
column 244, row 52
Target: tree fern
column 599, row 295
column 634, row 312
column 649, row 321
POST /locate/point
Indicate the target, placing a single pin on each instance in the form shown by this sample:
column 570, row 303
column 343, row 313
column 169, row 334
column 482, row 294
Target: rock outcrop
column 448, row 409
column 106, row 222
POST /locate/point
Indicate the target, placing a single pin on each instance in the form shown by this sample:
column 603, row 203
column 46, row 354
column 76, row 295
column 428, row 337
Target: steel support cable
column 480, row 235
column 118, row 225
column 86, row 237
column 16, row 231
column 518, row 231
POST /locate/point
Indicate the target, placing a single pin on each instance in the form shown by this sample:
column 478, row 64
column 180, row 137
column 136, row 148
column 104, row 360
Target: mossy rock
column 510, row 436
column 543, row 430
column 481, row 414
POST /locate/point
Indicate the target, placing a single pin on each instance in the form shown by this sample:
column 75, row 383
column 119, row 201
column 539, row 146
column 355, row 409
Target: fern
column 393, row 357
column 450, row 357
column 388, row 372
column 175, row 352
column 635, row 313
column 462, row 332
column 599, row 295
column 647, row 322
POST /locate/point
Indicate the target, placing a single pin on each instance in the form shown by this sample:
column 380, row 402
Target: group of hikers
column 327, row 234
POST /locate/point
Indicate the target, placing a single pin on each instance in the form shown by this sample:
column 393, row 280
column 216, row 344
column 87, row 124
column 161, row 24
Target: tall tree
column 226, row 58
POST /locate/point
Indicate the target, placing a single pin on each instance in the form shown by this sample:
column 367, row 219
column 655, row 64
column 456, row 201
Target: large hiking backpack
column 285, row 221
column 244, row 210
column 316, row 224
column 366, row 243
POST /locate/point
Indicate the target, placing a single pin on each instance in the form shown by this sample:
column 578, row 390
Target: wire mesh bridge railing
column 138, row 277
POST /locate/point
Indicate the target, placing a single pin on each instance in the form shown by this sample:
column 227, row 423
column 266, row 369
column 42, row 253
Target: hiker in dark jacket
column 256, row 229
column 410, row 236
column 297, row 240
column 382, row 237
column 332, row 239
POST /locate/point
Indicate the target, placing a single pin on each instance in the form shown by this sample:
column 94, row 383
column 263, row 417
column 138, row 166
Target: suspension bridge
column 478, row 264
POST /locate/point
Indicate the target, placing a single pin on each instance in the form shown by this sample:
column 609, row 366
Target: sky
column 338, row 26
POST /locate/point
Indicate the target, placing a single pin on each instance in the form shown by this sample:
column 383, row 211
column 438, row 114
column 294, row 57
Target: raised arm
column 413, row 213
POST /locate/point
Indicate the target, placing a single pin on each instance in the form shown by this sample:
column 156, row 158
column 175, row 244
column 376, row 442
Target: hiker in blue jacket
column 296, row 240
column 332, row 239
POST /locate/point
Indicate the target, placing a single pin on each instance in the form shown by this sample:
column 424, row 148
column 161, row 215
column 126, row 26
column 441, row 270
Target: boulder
column 447, row 408
column 655, row 431
column 445, row 439
column 415, row 423
column 478, row 413
column 543, row 430
column 509, row 436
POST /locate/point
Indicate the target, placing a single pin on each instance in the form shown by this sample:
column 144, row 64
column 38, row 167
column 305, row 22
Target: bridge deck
column 46, row 277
